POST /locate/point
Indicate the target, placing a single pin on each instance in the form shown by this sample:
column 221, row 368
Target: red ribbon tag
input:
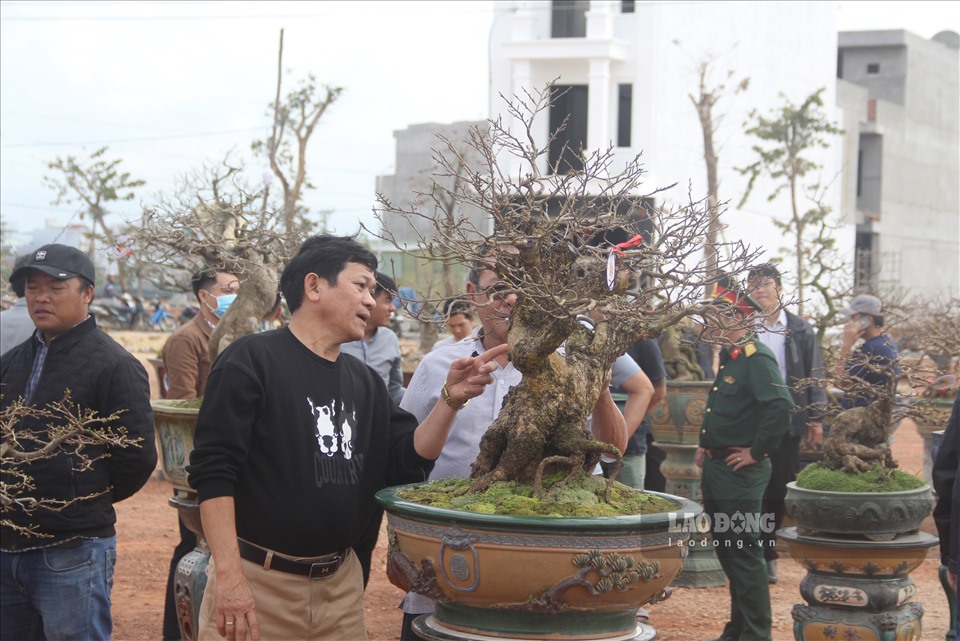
column 636, row 241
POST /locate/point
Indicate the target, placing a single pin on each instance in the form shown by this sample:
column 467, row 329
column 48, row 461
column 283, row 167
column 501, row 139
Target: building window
column 873, row 67
column 870, row 174
column 627, row 6
column 569, row 18
column 625, row 108
column 567, row 103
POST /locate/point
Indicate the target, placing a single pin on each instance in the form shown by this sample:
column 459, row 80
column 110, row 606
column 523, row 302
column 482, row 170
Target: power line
column 126, row 140
column 154, row 18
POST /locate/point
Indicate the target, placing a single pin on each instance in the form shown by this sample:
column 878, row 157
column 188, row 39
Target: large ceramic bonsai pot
column 175, row 425
column 939, row 413
column 878, row 516
column 535, row 577
column 678, row 417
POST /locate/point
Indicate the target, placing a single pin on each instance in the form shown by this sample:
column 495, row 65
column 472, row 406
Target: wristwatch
column 452, row 404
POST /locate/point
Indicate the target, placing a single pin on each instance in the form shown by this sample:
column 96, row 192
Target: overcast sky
column 167, row 85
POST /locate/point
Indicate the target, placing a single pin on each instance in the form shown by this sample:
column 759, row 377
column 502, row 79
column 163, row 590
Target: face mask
column 223, row 303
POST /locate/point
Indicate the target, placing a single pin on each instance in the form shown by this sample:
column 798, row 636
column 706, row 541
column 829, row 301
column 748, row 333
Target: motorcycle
column 125, row 312
column 161, row 319
column 188, row 313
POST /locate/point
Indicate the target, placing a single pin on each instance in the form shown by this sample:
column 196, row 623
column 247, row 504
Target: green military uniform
column 749, row 406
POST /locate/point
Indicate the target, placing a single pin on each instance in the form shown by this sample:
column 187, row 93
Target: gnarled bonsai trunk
column 542, row 425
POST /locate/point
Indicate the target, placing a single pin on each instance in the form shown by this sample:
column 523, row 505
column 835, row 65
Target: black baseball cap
column 60, row 261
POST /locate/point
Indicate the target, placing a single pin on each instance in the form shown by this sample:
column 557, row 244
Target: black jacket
column 946, row 483
column 803, row 361
column 103, row 376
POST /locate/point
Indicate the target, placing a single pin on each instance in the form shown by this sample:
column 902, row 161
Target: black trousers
column 171, row 624
column 784, row 464
column 654, row 480
column 406, row 630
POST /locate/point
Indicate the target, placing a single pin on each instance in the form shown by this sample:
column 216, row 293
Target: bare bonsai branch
column 69, row 428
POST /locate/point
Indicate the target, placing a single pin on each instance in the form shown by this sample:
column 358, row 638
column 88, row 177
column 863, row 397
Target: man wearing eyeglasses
column 494, row 302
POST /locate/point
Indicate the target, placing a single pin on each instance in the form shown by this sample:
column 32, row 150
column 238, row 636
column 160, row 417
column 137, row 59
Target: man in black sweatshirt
column 292, row 441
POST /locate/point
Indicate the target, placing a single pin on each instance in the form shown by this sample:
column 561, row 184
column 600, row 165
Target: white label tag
column 611, row 270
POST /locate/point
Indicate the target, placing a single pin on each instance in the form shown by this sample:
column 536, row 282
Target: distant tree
column 94, row 181
column 709, row 93
column 785, row 140
column 294, row 122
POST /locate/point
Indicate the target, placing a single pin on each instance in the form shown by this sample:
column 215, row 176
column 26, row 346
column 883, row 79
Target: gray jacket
column 16, row 326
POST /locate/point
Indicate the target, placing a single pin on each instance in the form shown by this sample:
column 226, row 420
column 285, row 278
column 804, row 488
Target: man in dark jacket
column 794, row 344
column 57, row 561
column 946, row 483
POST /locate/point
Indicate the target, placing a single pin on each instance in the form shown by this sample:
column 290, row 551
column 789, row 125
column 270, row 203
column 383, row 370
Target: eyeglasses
column 497, row 292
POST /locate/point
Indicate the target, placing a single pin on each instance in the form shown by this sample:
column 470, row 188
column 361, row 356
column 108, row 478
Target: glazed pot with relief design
column 523, row 577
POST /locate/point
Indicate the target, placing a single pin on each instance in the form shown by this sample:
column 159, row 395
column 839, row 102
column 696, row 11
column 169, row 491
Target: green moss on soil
column 580, row 497
column 192, row 404
column 877, row 479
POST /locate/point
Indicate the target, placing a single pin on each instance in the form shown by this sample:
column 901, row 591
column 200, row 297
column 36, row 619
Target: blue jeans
column 58, row 592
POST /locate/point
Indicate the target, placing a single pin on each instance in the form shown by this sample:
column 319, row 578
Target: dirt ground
column 147, row 534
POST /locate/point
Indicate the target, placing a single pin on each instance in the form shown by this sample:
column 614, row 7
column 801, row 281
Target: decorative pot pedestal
column 856, row 588
column 675, row 424
column 175, row 426
column 428, row 627
column 191, row 578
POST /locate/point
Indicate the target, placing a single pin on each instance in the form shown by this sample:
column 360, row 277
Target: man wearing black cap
column 56, row 565
column 747, row 413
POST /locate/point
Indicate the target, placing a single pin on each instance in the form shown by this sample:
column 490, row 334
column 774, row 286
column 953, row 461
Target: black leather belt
column 723, row 452
column 311, row 569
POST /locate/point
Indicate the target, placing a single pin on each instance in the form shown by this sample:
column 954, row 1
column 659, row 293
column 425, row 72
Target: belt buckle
column 323, row 569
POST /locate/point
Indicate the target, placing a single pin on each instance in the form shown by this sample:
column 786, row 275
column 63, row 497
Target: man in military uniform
column 747, row 413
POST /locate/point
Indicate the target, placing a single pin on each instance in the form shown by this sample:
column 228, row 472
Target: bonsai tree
column 595, row 267
column 858, row 440
column 214, row 221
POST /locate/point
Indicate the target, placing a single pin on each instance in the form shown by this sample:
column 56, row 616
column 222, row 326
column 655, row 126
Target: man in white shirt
column 794, row 343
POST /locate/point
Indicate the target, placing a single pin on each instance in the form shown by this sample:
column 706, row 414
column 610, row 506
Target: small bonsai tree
column 859, row 436
column 590, row 282
column 81, row 432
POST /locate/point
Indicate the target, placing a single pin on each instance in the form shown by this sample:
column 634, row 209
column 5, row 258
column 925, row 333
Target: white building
column 900, row 95
column 630, row 68
column 633, row 66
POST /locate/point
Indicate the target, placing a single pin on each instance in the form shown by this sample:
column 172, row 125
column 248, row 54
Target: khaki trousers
column 290, row 607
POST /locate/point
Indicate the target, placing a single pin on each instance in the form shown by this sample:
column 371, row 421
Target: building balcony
column 567, row 49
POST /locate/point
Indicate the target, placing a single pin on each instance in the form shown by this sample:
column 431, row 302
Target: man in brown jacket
column 186, row 360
